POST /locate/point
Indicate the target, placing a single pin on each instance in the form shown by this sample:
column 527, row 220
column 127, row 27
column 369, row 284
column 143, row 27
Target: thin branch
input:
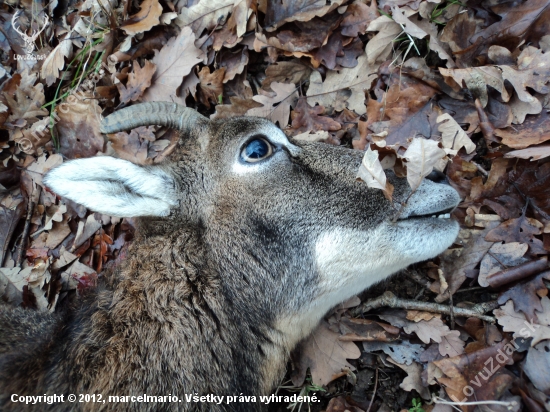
column 374, row 393
column 390, row 300
column 33, row 200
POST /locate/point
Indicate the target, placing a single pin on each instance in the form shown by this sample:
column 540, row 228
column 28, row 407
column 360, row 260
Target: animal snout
column 438, row 177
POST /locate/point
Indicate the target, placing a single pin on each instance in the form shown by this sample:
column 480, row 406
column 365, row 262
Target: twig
column 510, row 405
column 517, row 273
column 390, row 300
column 33, row 200
column 452, row 311
column 481, row 169
column 374, row 393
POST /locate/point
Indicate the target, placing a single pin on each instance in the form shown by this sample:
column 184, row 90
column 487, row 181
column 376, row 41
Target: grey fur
column 214, row 296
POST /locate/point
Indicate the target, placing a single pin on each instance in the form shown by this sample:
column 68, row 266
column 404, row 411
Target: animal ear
column 114, row 187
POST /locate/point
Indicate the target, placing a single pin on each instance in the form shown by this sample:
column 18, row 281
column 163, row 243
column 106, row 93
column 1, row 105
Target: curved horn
column 167, row 114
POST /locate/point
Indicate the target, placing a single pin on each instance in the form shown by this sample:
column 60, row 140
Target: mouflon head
column 285, row 223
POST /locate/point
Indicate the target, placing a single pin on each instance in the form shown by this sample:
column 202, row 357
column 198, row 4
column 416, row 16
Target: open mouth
column 444, row 214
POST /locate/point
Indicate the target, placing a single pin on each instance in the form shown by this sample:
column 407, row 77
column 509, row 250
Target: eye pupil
column 256, row 150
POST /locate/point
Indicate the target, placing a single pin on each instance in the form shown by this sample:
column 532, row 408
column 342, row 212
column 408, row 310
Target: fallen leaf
column 55, row 61
column 380, row 46
column 509, row 254
column 372, row 173
column 524, row 295
column 357, row 18
column 298, row 10
column 174, row 61
column 532, row 153
column 478, row 375
column 413, row 379
column 325, row 355
column 534, row 130
column 26, row 103
column 512, row 321
column 78, row 127
column 452, row 135
column 145, row 19
column 276, row 106
column 422, row 155
column 403, row 352
column 537, row 365
column 331, row 92
column 211, row 85
column 306, row 118
column 361, row 330
column 205, row 15
column 285, row 72
column 523, row 229
column 138, row 80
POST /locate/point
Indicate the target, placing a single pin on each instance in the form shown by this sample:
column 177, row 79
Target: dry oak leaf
column 238, row 107
column 357, row 18
column 403, row 352
column 26, row 103
column 533, row 153
column 524, row 295
column 138, row 80
column 372, row 173
column 476, row 79
column 422, row 155
column 55, row 61
column 174, row 61
column 537, row 365
column 534, row 130
column 306, row 118
column 339, row 404
column 514, row 25
column 517, row 322
column 133, row 146
column 285, row 72
column 211, row 85
column 145, row 19
column 204, row 15
column 478, row 375
column 400, row 17
column 508, row 254
column 343, row 88
column 366, row 330
column 78, row 128
column 278, row 13
column 234, row 62
column 380, row 46
column 410, row 110
column 276, row 105
column 452, row 135
column 533, row 180
column 413, row 379
column 433, row 329
column 457, row 264
column 522, row 229
column 325, row 355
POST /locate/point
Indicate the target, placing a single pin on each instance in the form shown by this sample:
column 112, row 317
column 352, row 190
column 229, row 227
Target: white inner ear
column 114, row 187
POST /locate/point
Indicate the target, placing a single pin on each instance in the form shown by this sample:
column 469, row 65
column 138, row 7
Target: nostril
column 437, row 177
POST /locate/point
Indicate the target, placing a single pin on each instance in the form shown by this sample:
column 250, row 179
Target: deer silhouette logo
column 29, row 40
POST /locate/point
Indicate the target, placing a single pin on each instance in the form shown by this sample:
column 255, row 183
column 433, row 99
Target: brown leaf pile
column 459, row 87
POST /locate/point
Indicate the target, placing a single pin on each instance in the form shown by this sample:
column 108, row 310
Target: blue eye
column 256, row 150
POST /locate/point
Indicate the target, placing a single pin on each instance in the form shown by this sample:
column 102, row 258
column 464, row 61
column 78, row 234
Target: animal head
column 285, row 223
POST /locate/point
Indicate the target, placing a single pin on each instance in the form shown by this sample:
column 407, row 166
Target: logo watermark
column 29, row 40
